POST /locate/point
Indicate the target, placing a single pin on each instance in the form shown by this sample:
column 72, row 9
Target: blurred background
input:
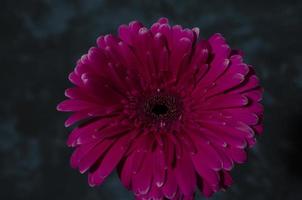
column 41, row 41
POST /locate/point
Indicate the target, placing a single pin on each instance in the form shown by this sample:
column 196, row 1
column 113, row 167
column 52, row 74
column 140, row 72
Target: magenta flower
column 170, row 111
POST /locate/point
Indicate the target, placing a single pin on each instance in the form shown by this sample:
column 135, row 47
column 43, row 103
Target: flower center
column 159, row 109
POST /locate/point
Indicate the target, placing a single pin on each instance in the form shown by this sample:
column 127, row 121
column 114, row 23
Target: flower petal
column 72, row 105
column 170, row 187
column 185, row 175
column 109, row 162
column 141, row 181
column 93, row 155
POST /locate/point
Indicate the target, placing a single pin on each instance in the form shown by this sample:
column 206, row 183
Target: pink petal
column 75, row 105
column 163, row 20
column 109, row 162
column 227, row 179
column 215, row 70
column 258, row 128
column 75, row 79
column 250, row 83
column 76, row 117
column 238, row 155
column 85, row 128
column 141, row 181
column 204, row 171
column 93, row 155
column 206, row 189
column 185, row 175
column 111, row 131
column 126, row 171
column 207, row 155
column 170, row 187
column 220, row 129
column 170, row 153
column 255, row 95
column 123, row 33
column 80, row 152
column 219, row 46
column 159, row 169
column 227, row 162
column 242, row 115
column 225, row 101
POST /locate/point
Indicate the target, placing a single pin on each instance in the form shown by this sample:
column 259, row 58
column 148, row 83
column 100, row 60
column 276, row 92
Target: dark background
column 41, row 40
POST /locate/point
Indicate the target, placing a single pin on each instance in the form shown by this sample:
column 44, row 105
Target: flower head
column 171, row 112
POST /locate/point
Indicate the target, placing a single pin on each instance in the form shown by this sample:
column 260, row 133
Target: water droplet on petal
column 159, row 184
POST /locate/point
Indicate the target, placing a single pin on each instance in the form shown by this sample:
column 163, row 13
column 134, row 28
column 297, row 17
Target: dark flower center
column 159, row 109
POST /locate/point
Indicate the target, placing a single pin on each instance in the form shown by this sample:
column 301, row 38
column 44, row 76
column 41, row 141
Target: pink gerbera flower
column 170, row 111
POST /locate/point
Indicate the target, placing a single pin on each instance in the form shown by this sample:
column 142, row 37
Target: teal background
column 41, row 41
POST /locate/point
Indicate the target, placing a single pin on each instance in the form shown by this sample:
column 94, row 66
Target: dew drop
column 159, row 184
